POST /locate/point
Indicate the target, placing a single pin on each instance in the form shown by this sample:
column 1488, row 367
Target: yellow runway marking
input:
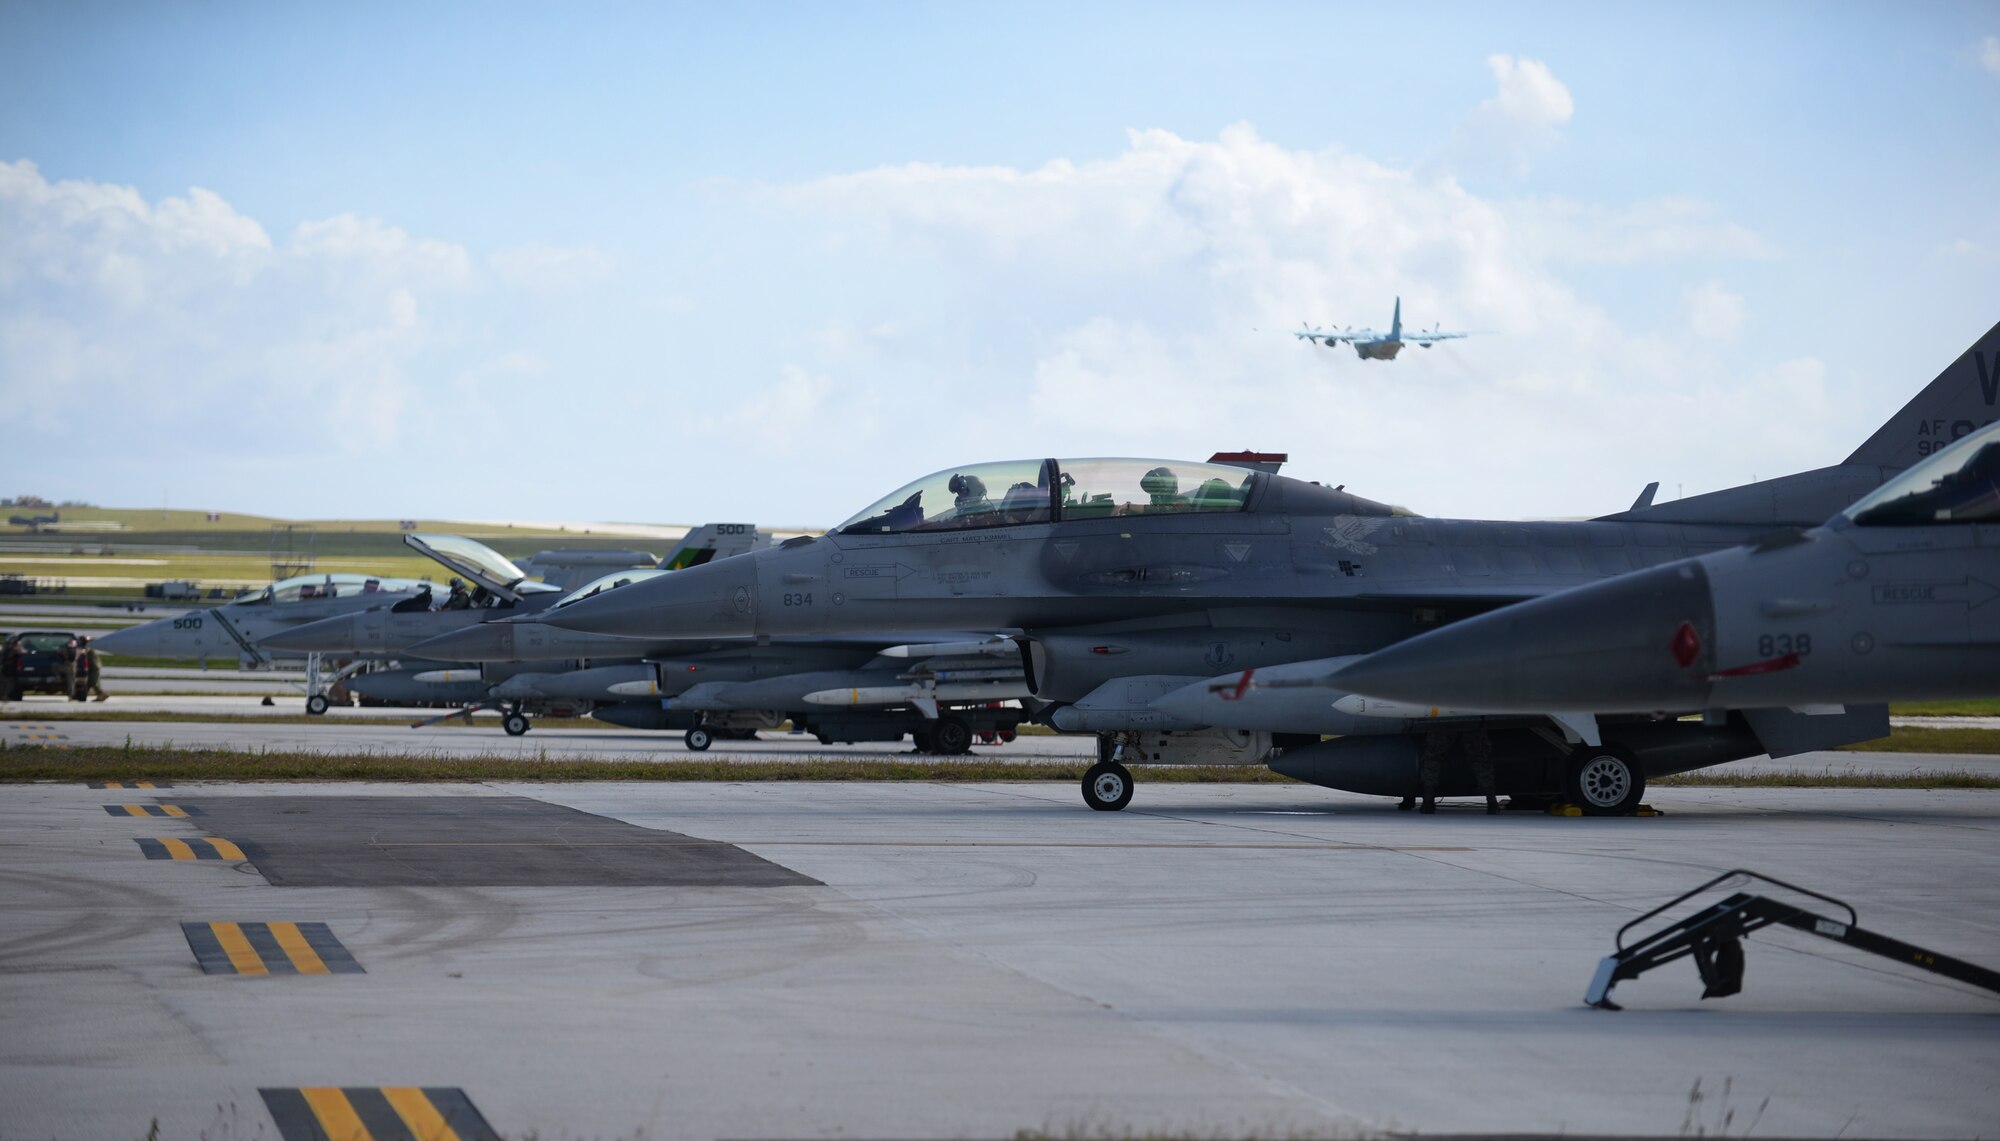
column 178, row 849
column 419, row 1114
column 241, row 954
column 228, row 849
column 303, row 956
column 335, row 1115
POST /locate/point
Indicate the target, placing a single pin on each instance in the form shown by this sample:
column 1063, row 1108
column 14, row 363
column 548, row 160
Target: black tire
column 739, row 734
column 698, row 739
column 1605, row 781
column 953, row 736
column 316, row 705
column 823, row 738
column 924, row 740
column 1107, row 787
column 515, row 724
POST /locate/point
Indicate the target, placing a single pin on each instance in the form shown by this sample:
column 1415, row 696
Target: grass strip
column 1986, row 741
column 110, row 762
column 402, row 718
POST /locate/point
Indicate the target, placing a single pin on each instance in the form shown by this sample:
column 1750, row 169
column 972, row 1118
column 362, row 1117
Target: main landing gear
column 1605, row 781
column 514, row 722
column 1107, row 787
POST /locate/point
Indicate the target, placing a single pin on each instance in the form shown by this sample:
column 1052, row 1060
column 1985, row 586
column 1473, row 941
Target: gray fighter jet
column 1145, row 590
column 501, row 589
column 1894, row 599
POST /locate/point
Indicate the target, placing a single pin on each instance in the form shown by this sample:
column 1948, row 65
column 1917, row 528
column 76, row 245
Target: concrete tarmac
column 973, row 960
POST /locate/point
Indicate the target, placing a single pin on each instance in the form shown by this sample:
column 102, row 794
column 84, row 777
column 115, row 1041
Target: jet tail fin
column 1965, row 396
column 711, row 541
column 1396, row 322
column 1962, row 398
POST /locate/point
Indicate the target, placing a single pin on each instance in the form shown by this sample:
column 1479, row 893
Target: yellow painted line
column 241, row 954
column 178, row 849
column 419, row 1114
column 228, row 849
column 173, row 810
column 303, row 956
column 134, row 809
column 336, row 1115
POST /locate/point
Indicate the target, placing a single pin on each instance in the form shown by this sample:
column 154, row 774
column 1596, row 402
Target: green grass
column 1972, row 707
column 110, row 762
column 1985, row 741
column 99, row 714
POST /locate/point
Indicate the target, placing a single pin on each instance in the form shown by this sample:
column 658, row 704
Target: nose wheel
column 698, row 739
column 515, row 724
column 1107, row 787
column 316, row 705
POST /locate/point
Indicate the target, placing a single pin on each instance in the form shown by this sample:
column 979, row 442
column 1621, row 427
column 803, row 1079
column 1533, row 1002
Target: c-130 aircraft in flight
column 1145, row 591
column 1370, row 345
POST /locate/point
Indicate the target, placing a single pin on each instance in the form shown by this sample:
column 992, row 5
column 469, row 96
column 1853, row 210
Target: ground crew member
column 93, row 673
column 1437, row 749
column 66, row 670
column 10, row 666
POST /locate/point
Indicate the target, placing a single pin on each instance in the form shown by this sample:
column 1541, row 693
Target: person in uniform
column 458, row 599
column 1437, row 749
column 92, row 669
column 10, row 666
column 66, row 670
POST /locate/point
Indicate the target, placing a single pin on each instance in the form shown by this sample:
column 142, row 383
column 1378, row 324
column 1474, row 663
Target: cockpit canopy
column 1049, row 491
column 307, row 587
column 1957, row 484
column 611, row 581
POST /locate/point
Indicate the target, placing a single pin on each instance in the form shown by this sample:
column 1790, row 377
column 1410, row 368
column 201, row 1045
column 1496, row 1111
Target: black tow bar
column 1714, row 937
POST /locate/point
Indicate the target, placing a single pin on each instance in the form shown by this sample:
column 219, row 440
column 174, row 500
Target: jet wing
column 1335, row 337
column 1430, row 338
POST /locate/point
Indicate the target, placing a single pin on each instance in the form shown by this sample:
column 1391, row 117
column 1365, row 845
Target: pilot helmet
column 1160, row 482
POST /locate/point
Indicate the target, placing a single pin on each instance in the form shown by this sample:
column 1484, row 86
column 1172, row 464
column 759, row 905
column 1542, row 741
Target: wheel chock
column 1573, row 810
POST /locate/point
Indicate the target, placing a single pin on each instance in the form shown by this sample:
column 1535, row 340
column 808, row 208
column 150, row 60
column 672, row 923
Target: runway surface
column 709, row 960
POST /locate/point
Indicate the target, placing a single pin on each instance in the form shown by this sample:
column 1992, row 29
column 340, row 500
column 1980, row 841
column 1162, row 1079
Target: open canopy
column 478, row 562
column 1013, row 492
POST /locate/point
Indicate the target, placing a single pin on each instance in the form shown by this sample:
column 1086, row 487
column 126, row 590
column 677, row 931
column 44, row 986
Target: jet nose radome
column 142, row 640
column 486, row 642
column 1637, row 643
column 715, row 600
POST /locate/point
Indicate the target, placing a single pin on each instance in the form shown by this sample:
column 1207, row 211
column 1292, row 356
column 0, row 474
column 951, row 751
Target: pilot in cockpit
column 970, row 493
column 1162, row 486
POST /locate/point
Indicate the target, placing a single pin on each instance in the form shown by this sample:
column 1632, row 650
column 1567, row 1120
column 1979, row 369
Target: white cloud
column 551, row 269
column 787, row 412
column 151, row 325
column 1114, row 303
column 1524, row 117
column 1713, row 312
column 1989, row 53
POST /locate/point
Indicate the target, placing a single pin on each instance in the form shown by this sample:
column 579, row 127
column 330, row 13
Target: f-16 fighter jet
column 1144, row 589
column 501, row 589
column 1896, row 598
column 1370, row 345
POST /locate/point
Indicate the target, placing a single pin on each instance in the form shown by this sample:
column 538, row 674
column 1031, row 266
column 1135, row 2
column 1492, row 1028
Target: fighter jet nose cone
column 128, row 641
column 715, row 600
column 1636, row 643
column 485, row 642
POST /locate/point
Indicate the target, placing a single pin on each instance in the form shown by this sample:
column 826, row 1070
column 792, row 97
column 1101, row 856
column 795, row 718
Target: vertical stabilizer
column 1961, row 399
column 712, row 541
column 1396, row 322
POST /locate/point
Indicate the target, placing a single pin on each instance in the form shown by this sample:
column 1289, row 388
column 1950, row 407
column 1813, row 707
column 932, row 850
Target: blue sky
column 665, row 264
